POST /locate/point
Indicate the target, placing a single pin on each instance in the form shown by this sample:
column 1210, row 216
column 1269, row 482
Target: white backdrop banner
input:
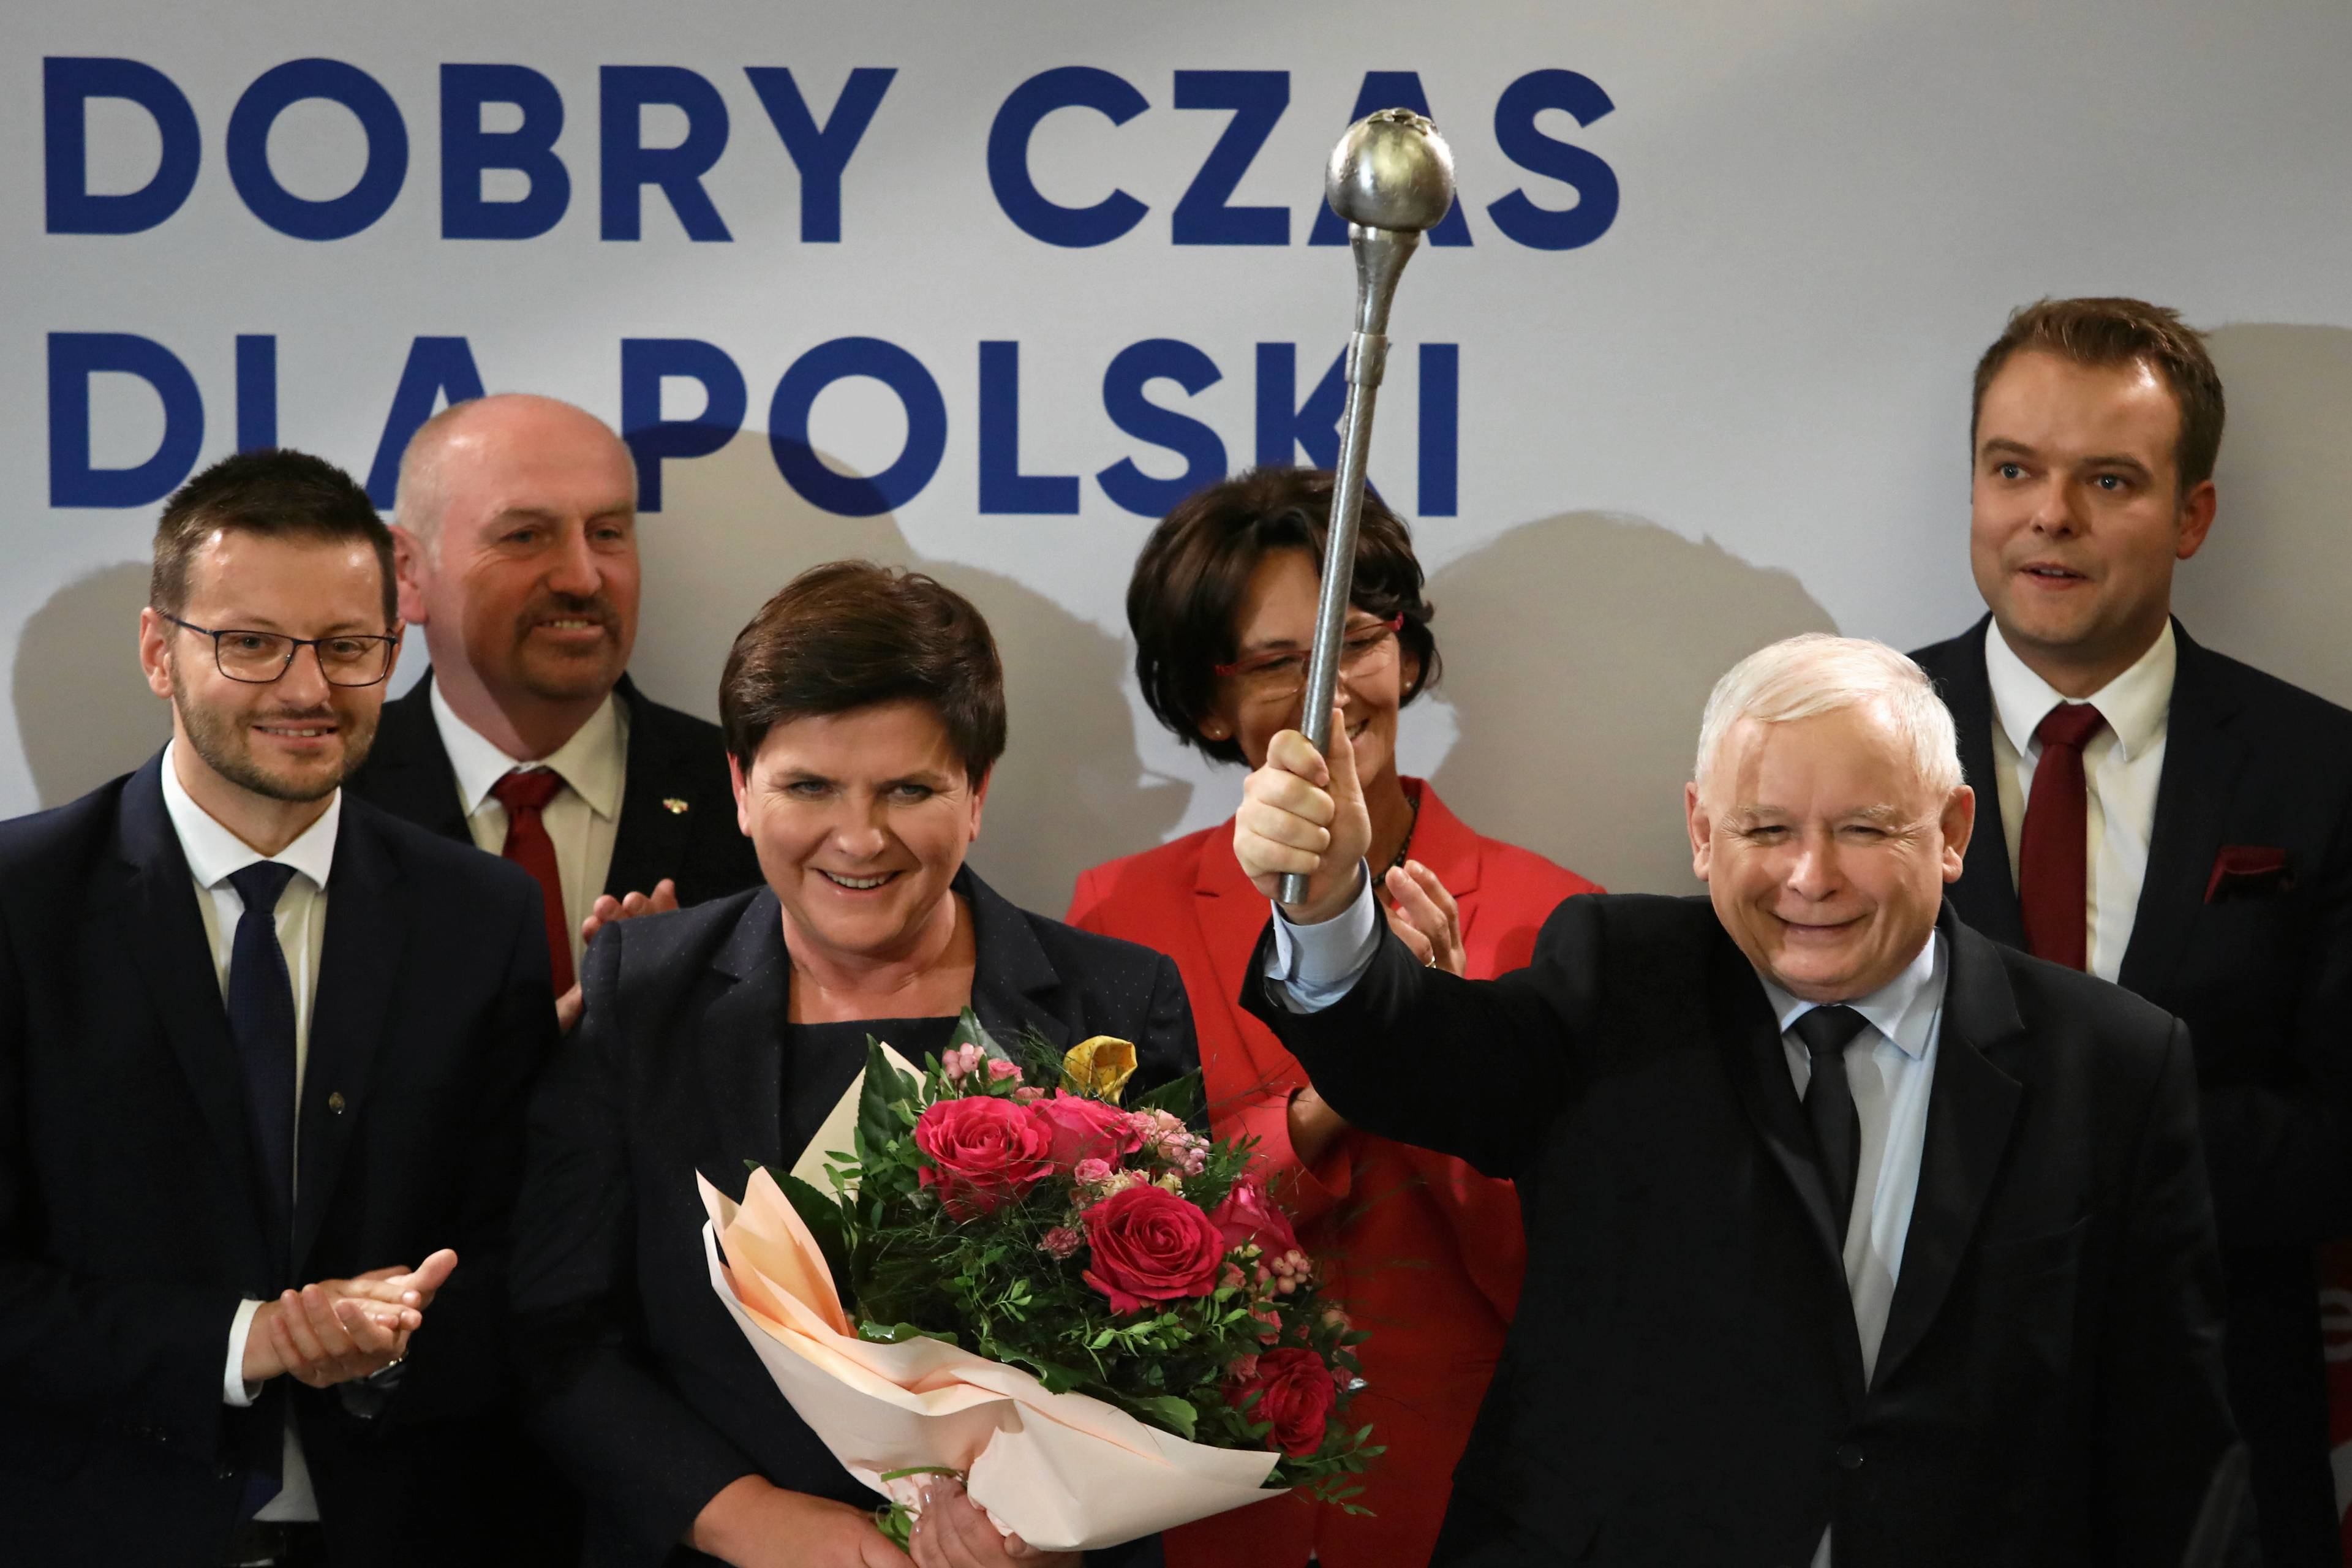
column 987, row 289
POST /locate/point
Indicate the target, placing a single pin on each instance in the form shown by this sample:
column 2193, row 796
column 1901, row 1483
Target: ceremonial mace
column 1391, row 176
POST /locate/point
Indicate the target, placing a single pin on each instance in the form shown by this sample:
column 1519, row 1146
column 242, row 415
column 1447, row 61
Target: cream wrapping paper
column 1063, row 1471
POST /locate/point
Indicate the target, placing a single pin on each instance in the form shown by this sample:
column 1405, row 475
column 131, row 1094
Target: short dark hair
column 274, row 493
column 850, row 635
column 2100, row 332
column 1195, row 569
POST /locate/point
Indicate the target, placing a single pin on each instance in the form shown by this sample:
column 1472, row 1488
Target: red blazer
column 1425, row 1252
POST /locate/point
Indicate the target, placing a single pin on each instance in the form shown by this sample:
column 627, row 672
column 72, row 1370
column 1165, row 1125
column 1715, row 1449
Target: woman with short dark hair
column 1425, row 1252
column 863, row 709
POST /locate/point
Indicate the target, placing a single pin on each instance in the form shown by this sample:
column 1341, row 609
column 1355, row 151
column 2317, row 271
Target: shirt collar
column 1904, row 1009
column 591, row 762
column 215, row 854
column 2135, row 704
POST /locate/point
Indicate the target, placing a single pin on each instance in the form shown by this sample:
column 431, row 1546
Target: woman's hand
column 752, row 1524
column 1425, row 916
column 1314, row 1126
column 954, row 1531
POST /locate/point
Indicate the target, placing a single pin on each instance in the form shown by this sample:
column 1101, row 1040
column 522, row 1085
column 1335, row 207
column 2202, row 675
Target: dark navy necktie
column 1829, row 1103
column 261, row 1019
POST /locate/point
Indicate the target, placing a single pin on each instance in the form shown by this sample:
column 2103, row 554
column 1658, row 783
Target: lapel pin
column 673, row 806
column 335, row 1102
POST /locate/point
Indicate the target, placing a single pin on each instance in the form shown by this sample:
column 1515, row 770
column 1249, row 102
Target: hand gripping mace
column 1391, row 176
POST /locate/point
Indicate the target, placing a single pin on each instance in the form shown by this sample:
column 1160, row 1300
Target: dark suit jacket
column 644, row 1387
column 673, row 756
column 2261, row 971
column 129, row 1200
column 1683, row 1383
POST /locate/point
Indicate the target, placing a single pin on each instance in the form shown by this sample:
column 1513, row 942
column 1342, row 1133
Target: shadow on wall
column 1578, row 652
column 84, row 713
column 2270, row 585
column 1069, row 792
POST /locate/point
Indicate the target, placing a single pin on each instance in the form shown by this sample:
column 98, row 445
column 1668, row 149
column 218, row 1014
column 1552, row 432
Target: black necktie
column 262, row 1018
column 1829, row 1103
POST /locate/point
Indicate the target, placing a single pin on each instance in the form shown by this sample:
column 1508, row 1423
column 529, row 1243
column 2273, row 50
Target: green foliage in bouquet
column 1010, row 1205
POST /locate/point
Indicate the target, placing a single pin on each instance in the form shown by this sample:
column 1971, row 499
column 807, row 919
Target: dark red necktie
column 525, row 793
column 2053, row 848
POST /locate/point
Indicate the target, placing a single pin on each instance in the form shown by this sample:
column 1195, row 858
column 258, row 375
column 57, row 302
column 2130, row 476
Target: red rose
column 1087, row 1129
column 984, row 1151
column 1149, row 1246
column 1247, row 1216
column 1295, row 1393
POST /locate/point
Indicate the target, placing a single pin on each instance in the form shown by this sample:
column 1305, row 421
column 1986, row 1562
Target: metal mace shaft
column 1380, row 256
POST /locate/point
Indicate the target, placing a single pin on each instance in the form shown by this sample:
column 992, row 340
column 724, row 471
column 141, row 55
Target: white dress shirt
column 2122, row 766
column 583, row 820
column 1313, row 966
column 213, row 855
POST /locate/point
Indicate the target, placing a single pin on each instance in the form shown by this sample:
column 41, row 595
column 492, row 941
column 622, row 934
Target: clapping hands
column 339, row 1330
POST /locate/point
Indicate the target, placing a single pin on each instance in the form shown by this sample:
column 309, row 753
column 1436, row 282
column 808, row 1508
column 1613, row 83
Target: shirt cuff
column 1313, row 966
column 235, row 1391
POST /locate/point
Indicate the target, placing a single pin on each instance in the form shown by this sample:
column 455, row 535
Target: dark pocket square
column 2247, row 870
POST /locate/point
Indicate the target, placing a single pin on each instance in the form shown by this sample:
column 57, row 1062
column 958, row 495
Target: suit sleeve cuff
column 1313, row 966
column 235, row 1391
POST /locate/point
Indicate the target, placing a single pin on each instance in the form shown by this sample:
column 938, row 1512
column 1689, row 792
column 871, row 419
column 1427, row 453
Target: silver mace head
column 1390, row 171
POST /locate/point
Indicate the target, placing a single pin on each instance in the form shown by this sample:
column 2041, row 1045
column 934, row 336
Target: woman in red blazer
column 1425, row 1252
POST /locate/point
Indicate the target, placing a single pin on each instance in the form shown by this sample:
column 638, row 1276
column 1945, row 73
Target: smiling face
column 1276, row 615
column 1824, row 852
column 526, row 581
column 2076, row 518
column 297, row 738
column 860, row 821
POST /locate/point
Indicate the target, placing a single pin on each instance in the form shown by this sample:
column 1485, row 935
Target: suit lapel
column 1970, row 1109
column 1985, row 894
column 742, row 1042
column 408, row 772
column 358, row 970
column 2201, row 762
column 650, row 841
column 1749, row 1035
column 164, row 933
column 1011, row 978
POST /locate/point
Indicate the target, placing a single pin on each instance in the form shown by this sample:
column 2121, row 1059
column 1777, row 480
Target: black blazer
column 1683, row 1383
column 673, row 757
column 643, row 1386
column 130, row 1206
column 2259, row 966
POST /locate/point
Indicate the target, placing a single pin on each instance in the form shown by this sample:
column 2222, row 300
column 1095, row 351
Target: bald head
column 516, row 530
column 470, row 433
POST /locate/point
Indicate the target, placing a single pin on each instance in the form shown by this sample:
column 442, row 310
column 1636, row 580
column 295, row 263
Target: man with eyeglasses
column 263, row 1057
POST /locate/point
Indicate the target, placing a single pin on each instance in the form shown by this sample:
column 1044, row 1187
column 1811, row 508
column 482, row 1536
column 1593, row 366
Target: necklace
column 1412, row 820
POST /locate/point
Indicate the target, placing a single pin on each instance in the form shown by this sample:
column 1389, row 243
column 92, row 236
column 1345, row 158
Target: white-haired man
column 517, row 554
column 1853, row 1238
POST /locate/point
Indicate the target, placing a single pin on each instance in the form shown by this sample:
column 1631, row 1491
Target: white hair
column 1807, row 676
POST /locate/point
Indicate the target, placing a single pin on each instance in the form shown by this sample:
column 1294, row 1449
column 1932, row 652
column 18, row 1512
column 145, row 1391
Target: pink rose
column 1061, row 1241
column 998, row 1071
column 1295, row 1394
column 1086, row 1128
column 1087, row 1172
column 984, row 1153
column 1151, row 1246
column 1248, row 1216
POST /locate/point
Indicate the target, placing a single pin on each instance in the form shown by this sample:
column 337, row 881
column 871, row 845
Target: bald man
column 516, row 535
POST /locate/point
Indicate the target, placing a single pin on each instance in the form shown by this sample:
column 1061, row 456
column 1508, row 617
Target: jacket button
column 335, row 1102
column 1848, row 1457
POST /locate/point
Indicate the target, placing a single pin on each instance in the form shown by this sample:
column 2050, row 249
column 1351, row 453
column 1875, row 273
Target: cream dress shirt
column 583, row 820
column 2122, row 766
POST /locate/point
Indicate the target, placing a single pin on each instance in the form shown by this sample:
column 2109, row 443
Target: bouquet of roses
column 1093, row 1313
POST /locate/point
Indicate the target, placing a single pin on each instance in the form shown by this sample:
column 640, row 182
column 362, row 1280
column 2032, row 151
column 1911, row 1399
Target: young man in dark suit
column 517, row 554
column 1853, row 1238
column 263, row 1057
column 2171, row 819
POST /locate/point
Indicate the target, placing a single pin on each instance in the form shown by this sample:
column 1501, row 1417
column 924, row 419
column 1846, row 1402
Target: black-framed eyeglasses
column 353, row 658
